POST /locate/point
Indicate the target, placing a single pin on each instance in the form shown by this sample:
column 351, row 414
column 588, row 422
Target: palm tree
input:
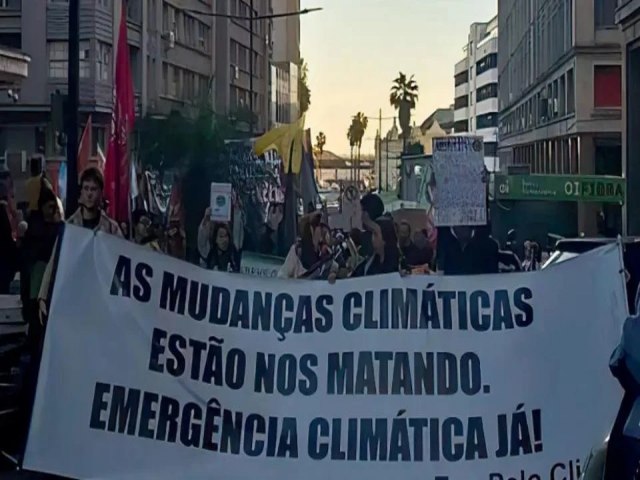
column 359, row 123
column 403, row 97
column 351, row 136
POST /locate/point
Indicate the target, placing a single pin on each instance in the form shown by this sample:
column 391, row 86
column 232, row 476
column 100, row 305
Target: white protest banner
column 221, row 202
column 156, row 369
column 460, row 192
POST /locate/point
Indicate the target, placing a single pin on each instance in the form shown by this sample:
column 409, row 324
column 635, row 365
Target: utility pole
column 73, row 104
column 251, row 68
column 386, row 180
column 380, row 150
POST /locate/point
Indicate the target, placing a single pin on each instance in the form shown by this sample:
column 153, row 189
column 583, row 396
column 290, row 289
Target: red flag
column 84, row 148
column 117, row 171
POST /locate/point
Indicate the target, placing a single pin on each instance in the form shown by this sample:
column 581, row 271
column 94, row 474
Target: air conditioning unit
column 170, row 38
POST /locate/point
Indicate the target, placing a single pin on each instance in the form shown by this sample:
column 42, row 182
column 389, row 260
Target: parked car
column 568, row 248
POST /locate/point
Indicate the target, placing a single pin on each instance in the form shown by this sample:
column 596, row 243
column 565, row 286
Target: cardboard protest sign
column 460, row 191
column 221, row 202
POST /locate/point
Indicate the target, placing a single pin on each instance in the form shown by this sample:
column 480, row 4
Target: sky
column 355, row 48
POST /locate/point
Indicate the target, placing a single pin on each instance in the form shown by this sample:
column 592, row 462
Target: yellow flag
column 287, row 141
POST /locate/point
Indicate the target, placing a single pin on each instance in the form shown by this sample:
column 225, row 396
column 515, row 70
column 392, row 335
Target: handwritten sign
column 460, row 196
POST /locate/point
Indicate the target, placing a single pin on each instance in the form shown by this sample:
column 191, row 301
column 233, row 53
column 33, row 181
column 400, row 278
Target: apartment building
column 560, row 90
column 476, row 89
column 171, row 51
column 285, row 104
column 628, row 17
column 242, row 67
column 181, row 57
column 285, row 65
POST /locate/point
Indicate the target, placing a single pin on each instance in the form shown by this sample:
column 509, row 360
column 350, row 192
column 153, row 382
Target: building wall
column 559, row 69
column 232, row 60
column 179, row 60
column 476, row 88
column 286, row 32
column 166, row 75
column 628, row 17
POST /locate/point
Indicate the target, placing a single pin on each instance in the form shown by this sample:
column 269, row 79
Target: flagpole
column 73, row 103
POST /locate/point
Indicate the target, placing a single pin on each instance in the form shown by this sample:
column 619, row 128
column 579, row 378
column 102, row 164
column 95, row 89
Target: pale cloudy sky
column 355, row 48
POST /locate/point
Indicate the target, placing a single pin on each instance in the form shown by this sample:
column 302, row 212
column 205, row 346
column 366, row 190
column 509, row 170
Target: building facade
column 285, row 65
column 476, row 89
column 560, row 90
column 242, row 66
column 284, row 93
column 171, row 51
column 181, row 59
column 628, row 17
column 389, row 148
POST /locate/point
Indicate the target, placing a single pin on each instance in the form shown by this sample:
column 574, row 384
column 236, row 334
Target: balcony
column 461, row 114
column 14, row 67
column 489, row 105
column 490, row 76
column 462, row 90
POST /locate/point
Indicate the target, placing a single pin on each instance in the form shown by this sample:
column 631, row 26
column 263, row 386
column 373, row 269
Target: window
column 488, row 91
column 461, row 102
column 134, row 11
column 105, row 4
column 571, row 92
column 165, row 79
column 488, row 120
column 204, row 34
column 174, row 81
column 11, row 40
column 85, row 60
column 605, row 13
column 461, row 126
column 490, row 149
column 168, row 18
column 190, row 34
column 4, row 3
column 461, row 78
column 607, row 86
column 136, row 67
column 58, row 59
column 103, row 62
column 487, row 63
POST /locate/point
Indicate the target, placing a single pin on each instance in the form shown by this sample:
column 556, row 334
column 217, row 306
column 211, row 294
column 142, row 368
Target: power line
column 259, row 17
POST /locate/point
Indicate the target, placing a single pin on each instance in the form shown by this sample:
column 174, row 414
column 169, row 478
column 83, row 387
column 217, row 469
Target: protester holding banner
column 143, row 230
column 89, row 215
column 310, row 256
column 414, row 254
column 464, row 250
column 223, row 255
column 372, row 207
column 386, row 253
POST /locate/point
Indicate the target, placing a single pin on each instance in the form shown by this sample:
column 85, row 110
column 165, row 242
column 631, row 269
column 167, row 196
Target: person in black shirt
column 386, row 254
column 372, row 207
column 465, row 251
column 414, row 255
column 223, row 255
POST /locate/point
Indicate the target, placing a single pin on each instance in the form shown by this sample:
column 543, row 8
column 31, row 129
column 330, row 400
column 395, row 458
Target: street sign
column 561, row 188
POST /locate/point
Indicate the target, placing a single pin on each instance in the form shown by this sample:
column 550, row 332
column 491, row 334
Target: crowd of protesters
column 28, row 244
